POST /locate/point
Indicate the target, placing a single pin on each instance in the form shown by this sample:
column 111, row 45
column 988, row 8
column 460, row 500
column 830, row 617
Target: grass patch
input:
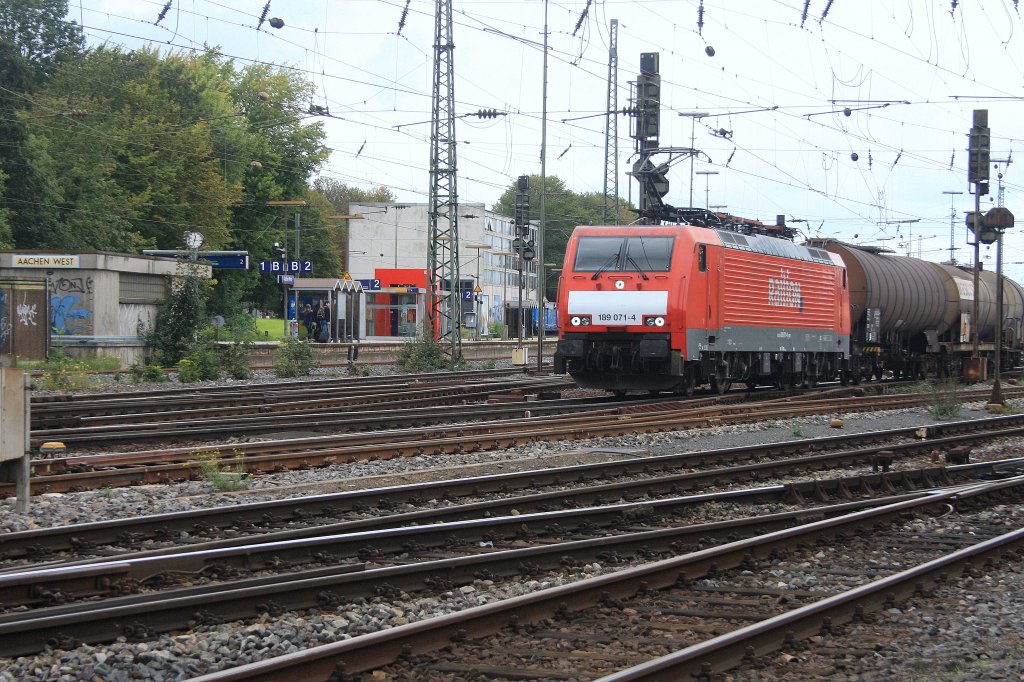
column 946, row 402
column 224, row 477
column 270, row 329
column 916, row 387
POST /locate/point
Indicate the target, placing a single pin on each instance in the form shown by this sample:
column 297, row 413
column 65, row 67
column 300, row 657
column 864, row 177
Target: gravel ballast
column 971, row 631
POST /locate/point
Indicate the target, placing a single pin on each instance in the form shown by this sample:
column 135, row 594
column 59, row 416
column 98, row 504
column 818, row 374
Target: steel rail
column 425, row 530
column 94, row 622
column 23, row 543
column 368, row 652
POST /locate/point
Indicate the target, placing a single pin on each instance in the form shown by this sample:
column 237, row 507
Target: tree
column 180, row 317
column 338, row 196
column 38, row 31
column 564, row 210
column 281, row 154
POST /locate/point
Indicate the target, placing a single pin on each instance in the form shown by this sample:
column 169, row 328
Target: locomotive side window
column 702, row 258
column 650, row 254
column 597, row 253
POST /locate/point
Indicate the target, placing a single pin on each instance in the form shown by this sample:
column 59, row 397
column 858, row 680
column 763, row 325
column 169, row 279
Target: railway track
column 637, row 477
column 685, row 616
column 340, row 556
column 68, row 473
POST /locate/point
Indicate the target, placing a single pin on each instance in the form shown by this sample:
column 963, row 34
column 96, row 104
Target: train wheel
column 844, row 378
column 751, row 385
column 689, row 384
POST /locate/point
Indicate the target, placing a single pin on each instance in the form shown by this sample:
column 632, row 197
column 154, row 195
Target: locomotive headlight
column 579, row 320
column 584, row 320
column 654, row 321
column 659, row 322
column 575, row 321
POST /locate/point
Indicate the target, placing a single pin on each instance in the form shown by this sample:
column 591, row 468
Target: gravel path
column 973, row 633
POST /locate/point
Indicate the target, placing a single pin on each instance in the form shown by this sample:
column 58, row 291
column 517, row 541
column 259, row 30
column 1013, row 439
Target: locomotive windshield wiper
column 632, row 261
column 607, row 264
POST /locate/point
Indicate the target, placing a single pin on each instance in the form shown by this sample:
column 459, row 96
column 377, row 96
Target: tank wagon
column 915, row 318
column 671, row 308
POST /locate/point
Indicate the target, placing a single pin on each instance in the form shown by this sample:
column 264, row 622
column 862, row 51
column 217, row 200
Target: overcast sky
column 771, row 91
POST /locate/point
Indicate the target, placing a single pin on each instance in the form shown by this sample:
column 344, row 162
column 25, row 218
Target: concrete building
column 389, row 237
column 98, row 301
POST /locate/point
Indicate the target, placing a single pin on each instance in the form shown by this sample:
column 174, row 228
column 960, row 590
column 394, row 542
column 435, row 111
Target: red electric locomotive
column 673, row 307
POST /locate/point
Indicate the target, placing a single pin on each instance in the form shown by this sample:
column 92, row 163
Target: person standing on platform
column 309, row 322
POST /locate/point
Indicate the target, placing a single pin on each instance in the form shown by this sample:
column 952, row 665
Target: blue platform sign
column 227, row 262
column 370, row 284
column 280, row 267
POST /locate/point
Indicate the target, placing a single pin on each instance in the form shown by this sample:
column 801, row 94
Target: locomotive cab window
column 642, row 253
column 702, row 258
column 648, row 254
column 597, row 253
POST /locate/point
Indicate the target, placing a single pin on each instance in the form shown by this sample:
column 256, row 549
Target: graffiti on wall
column 67, row 314
column 26, row 312
column 71, row 305
column 5, row 321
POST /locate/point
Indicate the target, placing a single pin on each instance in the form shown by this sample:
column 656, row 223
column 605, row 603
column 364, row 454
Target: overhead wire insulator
column 263, row 15
column 700, row 19
column 583, row 17
column 163, row 12
column 803, row 16
column 405, row 13
column 824, row 12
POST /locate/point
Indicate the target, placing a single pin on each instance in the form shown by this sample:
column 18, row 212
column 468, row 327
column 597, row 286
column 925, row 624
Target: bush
column 64, row 373
column 147, row 372
column 201, row 364
column 294, row 358
column 234, row 360
column 425, row 354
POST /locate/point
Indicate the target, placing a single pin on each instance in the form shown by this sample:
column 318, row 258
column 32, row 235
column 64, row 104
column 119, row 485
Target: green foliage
column 495, row 328
column 142, row 372
column 946, row 401
column 916, row 387
column 202, row 363
column 797, row 432
column 224, row 477
column 179, row 317
column 39, row 32
column 234, row 359
column 424, row 354
column 65, row 373
column 294, row 358
column 564, row 210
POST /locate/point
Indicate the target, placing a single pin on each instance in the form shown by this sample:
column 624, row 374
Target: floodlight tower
column 444, row 314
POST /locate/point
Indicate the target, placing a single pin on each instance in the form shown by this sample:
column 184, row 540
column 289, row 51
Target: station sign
column 277, row 267
column 286, row 279
column 227, row 262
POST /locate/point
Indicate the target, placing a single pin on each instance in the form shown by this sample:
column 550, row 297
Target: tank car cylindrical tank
column 911, row 294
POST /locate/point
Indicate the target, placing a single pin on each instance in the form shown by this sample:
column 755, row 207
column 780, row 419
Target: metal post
column 977, row 273
column 21, row 487
column 543, row 218
column 707, row 187
column 952, row 219
column 997, row 392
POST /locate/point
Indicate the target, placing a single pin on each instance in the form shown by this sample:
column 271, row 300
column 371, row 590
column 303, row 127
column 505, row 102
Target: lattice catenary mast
column 444, row 312
column 611, row 130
